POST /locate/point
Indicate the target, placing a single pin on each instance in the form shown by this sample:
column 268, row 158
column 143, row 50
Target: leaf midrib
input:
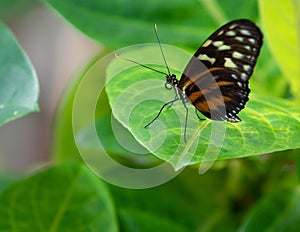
column 64, row 204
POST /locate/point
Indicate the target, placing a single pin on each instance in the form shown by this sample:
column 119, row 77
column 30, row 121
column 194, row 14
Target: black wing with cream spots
column 228, row 56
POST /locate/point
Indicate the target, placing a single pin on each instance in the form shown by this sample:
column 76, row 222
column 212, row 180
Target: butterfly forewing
column 216, row 78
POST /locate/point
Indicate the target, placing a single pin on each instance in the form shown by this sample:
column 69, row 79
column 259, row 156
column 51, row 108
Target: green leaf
column 63, row 198
column 7, row 179
column 9, row 8
column 189, row 202
column 297, row 161
column 19, row 88
column 64, row 146
column 136, row 94
column 277, row 211
column 267, row 77
column 117, row 142
column 120, row 23
column 284, row 38
column 137, row 220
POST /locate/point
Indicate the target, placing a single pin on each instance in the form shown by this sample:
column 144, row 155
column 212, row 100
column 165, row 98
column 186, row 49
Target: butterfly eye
column 169, row 79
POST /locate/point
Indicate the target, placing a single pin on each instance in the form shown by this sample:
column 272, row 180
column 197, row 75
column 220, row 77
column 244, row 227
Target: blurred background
column 58, row 52
column 261, row 188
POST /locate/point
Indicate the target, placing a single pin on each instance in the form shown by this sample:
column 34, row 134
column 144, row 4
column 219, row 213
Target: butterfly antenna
column 135, row 62
column 161, row 50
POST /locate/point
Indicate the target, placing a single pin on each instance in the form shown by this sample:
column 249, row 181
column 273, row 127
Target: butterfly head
column 171, row 81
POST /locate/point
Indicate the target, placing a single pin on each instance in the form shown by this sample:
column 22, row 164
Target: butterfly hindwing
column 216, row 78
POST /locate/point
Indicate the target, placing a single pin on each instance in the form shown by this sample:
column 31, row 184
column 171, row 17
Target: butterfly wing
column 216, row 78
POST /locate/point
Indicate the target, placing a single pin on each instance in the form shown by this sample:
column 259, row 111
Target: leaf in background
column 7, row 8
column 137, row 220
column 64, row 146
column 189, row 202
column 63, row 198
column 117, row 142
column 19, row 88
column 121, row 23
column 7, row 179
column 267, row 78
column 283, row 36
column 277, row 211
column 268, row 125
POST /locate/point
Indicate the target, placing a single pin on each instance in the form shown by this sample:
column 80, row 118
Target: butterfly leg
column 196, row 111
column 186, row 119
column 170, row 105
column 161, row 109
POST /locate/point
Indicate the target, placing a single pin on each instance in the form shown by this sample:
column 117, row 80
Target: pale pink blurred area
column 58, row 53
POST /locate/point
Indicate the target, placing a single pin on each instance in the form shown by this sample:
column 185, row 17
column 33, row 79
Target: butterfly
column 216, row 79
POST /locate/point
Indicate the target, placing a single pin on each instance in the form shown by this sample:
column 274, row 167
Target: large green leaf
column 187, row 203
column 63, row 198
column 277, row 211
column 283, row 36
column 136, row 95
column 19, row 88
column 120, row 23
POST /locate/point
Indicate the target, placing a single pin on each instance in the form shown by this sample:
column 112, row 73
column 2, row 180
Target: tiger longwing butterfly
column 220, row 90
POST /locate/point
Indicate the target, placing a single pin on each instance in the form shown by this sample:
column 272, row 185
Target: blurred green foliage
column 9, row 9
column 258, row 193
column 19, row 87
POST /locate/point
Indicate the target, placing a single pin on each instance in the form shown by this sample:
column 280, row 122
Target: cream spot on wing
column 237, row 55
column 245, row 32
column 224, row 47
column 240, row 84
column 251, row 40
column 248, row 47
column 230, row 33
column 218, row 43
column 247, row 67
column 244, row 76
column 206, row 43
column 233, row 26
column 240, row 39
column 1, row 106
column 221, row 32
column 15, row 112
column 229, row 64
column 205, row 57
column 234, row 76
